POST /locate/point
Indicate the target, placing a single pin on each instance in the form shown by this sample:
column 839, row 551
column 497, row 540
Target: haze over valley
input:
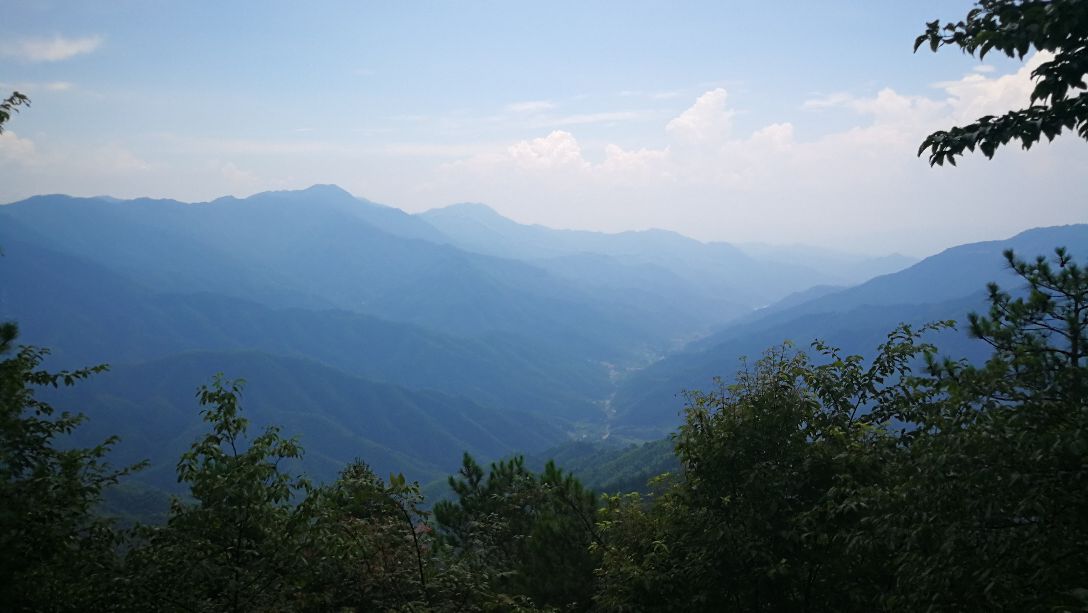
column 411, row 338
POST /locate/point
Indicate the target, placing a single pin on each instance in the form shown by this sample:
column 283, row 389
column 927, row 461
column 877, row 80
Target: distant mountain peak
column 325, row 192
column 314, row 195
column 326, row 189
column 467, row 209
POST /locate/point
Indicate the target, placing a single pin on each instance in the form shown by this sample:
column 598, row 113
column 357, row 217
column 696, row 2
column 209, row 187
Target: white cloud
column 861, row 185
column 531, row 106
column 636, row 165
column 976, row 95
column 51, row 49
column 985, row 68
column 887, row 104
column 716, row 157
column 556, row 150
column 707, row 120
column 855, row 181
column 776, row 136
column 14, row 149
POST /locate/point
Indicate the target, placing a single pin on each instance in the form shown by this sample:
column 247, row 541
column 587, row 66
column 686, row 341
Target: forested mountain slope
column 87, row 314
column 457, row 305
column 948, row 285
column 338, row 417
column 716, row 269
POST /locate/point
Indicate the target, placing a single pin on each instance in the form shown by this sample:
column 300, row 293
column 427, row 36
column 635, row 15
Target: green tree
column 529, row 534
column 239, row 545
column 59, row 555
column 759, row 517
column 847, row 485
column 988, row 509
column 368, row 547
column 1014, row 27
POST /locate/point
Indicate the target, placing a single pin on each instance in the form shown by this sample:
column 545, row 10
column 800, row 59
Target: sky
column 786, row 122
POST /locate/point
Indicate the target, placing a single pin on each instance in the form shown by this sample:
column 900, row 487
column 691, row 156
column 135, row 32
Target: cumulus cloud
column 856, row 181
column 557, row 150
column 895, row 124
column 885, row 107
column 776, row 136
column 16, row 149
column 976, row 95
column 964, row 99
column 639, row 165
column 53, row 49
column 708, row 180
column 709, row 119
column 700, row 150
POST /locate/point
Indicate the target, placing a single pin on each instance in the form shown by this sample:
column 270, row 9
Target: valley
column 458, row 324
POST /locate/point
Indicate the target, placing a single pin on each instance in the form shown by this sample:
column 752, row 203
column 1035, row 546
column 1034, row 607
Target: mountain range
column 407, row 339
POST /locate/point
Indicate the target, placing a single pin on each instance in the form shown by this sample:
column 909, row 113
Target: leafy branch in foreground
column 1014, row 27
column 57, row 549
column 11, row 105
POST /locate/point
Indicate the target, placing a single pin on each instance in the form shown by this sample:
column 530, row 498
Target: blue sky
column 775, row 122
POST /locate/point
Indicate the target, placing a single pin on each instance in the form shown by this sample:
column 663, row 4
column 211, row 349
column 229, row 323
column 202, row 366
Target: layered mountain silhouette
column 946, row 286
column 406, row 339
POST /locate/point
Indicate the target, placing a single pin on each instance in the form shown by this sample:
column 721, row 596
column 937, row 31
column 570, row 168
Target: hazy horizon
column 785, row 124
column 753, row 247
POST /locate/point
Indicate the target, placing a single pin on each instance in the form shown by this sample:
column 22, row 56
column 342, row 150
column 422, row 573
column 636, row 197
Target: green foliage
column 753, row 521
column 1014, row 27
column 11, row 105
column 58, row 554
column 852, row 486
column 529, row 533
column 238, row 546
column 989, row 507
column 368, row 547
column 833, row 483
column 614, row 469
column 255, row 538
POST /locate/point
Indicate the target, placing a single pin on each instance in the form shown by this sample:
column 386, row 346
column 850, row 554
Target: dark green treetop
column 530, row 534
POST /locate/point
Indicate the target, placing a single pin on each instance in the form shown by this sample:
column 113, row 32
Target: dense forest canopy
column 823, row 482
